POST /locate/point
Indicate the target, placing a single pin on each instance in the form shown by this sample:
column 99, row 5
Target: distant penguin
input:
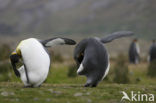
column 92, row 57
column 152, row 52
column 36, row 60
column 134, row 52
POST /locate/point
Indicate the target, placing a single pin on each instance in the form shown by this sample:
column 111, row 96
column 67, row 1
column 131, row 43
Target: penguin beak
column 14, row 58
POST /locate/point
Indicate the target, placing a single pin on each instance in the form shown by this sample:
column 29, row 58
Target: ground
column 68, row 93
column 59, row 88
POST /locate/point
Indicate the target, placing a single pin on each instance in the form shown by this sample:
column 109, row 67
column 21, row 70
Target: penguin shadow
column 29, row 87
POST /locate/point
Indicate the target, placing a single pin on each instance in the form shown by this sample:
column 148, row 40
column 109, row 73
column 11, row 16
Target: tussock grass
column 121, row 70
column 152, row 69
column 5, row 51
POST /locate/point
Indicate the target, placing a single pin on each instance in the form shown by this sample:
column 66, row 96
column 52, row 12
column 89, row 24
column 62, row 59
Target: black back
column 133, row 54
column 152, row 52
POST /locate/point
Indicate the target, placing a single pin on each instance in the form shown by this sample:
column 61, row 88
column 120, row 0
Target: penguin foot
column 86, row 85
column 94, row 85
column 90, row 85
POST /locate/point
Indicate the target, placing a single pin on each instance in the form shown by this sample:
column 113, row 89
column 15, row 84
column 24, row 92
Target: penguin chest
column 36, row 61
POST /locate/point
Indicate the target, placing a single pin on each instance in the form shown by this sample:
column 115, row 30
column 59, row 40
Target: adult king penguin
column 152, row 52
column 36, row 60
column 134, row 52
column 92, row 58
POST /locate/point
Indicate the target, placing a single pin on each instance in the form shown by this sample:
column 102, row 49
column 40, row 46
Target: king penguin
column 92, row 57
column 36, row 60
column 152, row 52
column 134, row 52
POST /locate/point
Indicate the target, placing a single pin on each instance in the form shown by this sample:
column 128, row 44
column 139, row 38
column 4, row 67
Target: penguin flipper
column 116, row 35
column 57, row 41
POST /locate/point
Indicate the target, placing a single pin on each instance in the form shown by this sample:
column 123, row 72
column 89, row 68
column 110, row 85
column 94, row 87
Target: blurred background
column 76, row 17
column 79, row 19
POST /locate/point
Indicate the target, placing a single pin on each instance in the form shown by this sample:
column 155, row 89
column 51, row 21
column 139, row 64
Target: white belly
column 107, row 69
column 36, row 60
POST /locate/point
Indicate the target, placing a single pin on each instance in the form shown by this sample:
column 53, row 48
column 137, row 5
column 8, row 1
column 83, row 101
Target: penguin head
column 14, row 58
column 79, row 51
column 135, row 40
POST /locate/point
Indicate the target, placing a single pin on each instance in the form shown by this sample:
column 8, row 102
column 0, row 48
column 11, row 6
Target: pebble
column 77, row 94
column 88, row 93
column 57, row 92
column 48, row 99
column 51, row 90
column 36, row 99
column 4, row 94
column 17, row 99
column 12, row 93
column 89, row 100
column 7, row 93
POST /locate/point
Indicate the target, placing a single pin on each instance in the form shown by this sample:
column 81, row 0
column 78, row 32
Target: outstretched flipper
column 57, row 41
column 116, row 35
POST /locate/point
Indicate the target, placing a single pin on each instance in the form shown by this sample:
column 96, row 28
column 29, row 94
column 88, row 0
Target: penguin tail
column 58, row 41
column 116, row 35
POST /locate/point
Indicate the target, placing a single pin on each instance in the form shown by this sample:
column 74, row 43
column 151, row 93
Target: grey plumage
column 134, row 52
column 92, row 58
column 152, row 52
column 65, row 40
column 116, row 35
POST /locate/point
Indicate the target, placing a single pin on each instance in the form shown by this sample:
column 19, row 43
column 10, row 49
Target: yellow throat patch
column 17, row 51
